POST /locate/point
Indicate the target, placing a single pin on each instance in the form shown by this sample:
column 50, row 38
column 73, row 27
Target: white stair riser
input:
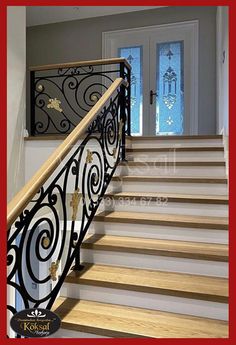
column 177, row 142
column 176, row 156
column 66, row 333
column 200, row 188
column 38, row 151
column 188, row 171
column 162, row 205
column 169, row 187
column 160, row 232
column 163, row 263
column 146, row 300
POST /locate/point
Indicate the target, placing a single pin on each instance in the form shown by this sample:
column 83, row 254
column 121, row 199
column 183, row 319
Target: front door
column 164, row 76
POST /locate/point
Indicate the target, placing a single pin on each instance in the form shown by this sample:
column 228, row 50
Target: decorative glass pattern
column 170, row 88
column 134, row 57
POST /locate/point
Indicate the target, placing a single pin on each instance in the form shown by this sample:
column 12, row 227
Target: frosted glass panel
column 134, row 56
column 170, row 88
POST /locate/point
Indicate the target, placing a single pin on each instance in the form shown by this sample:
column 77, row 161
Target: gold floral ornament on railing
column 75, row 203
column 47, row 180
column 40, row 87
column 54, row 103
column 89, row 157
column 53, row 270
column 46, row 242
column 94, row 98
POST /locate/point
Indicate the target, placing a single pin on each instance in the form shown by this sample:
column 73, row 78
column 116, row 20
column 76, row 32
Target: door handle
column 151, row 96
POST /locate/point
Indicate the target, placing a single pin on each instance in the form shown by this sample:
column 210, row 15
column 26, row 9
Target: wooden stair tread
column 177, row 137
column 170, row 179
column 163, row 163
column 192, row 198
column 152, row 281
column 205, row 222
column 121, row 321
column 176, row 148
column 193, row 250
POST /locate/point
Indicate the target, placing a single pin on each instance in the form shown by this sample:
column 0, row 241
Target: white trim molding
column 226, row 150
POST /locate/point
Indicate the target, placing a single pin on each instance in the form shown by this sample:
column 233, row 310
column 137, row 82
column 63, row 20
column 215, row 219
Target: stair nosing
column 178, row 253
column 177, row 137
column 175, row 319
column 203, row 199
column 173, row 163
column 107, row 217
column 198, row 295
column 174, row 149
column 171, row 179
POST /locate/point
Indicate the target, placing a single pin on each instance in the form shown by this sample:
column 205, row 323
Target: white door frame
column 192, row 26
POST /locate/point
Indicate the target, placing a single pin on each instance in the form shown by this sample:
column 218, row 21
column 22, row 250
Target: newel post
column 32, row 103
column 123, row 110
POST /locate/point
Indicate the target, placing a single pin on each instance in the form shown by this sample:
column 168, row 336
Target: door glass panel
column 134, row 56
column 170, row 88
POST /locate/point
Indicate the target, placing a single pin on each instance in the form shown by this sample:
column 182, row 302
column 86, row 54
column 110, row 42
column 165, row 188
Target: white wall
column 82, row 40
column 222, row 70
column 16, row 72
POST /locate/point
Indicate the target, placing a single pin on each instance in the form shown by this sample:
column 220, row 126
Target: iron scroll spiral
column 49, row 231
column 77, row 89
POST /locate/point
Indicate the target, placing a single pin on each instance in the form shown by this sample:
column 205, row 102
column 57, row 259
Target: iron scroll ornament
column 47, row 232
column 60, row 99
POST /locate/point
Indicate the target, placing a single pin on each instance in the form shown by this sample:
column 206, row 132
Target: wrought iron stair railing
column 62, row 94
column 49, row 218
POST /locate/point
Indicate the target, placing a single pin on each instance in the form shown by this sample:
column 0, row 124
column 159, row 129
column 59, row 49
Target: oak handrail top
column 80, row 63
column 25, row 195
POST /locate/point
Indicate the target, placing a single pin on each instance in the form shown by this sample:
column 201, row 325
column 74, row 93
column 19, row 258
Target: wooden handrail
column 80, row 63
column 25, row 195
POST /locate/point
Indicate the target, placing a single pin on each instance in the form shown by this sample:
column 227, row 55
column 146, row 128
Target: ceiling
column 39, row 15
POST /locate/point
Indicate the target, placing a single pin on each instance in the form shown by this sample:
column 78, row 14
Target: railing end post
column 77, row 266
column 32, row 103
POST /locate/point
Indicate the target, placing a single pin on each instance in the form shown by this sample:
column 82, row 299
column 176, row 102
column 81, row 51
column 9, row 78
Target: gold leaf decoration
column 54, row 103
column 89, row 157
column 94, row 98
column 75, row 203
column 53, row 270
column 46, row 242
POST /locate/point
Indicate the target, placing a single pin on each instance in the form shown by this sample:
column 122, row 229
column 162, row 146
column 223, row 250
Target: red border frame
column 3, row 126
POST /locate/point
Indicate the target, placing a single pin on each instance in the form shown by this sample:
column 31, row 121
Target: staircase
column 155, row 258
